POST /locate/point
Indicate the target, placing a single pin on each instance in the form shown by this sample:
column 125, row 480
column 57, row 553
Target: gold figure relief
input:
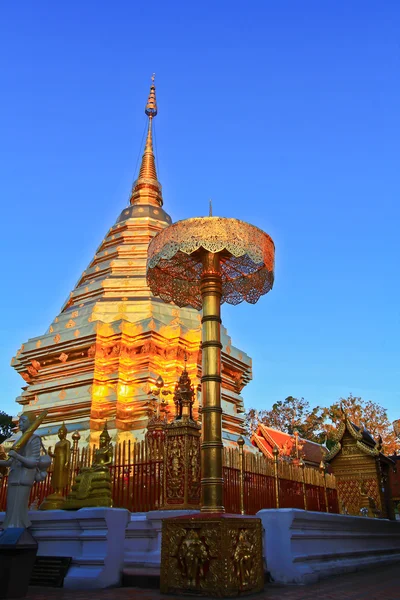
column 75, row 314
column 216, row 556
column 77, row 333
column 71, row 323
column 175, row 468
column 57, row 338
column 192, row 556
column 243, row 559
column 63, row 357
column 51, row 329
column 38, row 344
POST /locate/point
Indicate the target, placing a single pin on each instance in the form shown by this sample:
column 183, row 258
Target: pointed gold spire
column 147, row 189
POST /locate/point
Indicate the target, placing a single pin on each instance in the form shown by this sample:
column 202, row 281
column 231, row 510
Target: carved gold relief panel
column 213, row 556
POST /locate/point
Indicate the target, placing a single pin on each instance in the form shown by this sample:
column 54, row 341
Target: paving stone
column 372, row 584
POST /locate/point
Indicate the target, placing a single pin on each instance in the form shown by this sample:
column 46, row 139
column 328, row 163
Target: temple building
column 362, row 471
column 290, row 447
column 103, row 352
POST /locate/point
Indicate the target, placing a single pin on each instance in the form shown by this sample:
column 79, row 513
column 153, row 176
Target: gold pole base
column 216, row 555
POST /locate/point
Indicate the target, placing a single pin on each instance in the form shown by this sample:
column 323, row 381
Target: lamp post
column 203, row 262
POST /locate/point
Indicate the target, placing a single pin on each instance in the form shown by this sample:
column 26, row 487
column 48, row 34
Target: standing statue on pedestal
column 26, row 466
column 61, row 468
column 92, row 486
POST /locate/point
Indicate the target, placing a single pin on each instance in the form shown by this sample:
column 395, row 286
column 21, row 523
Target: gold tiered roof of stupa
column 112, row 338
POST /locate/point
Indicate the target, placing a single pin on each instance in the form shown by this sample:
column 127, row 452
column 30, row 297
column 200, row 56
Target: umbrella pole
column 212, row 481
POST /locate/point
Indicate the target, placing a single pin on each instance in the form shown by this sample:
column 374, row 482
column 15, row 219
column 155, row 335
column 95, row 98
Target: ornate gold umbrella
column 202, row 262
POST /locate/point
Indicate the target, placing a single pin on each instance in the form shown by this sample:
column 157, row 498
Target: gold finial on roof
column 147, row 189
column 151, row 106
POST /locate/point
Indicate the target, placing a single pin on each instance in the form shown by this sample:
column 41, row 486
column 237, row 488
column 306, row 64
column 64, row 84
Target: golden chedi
column 102, row 352
column 92, row 486
column 61, row 470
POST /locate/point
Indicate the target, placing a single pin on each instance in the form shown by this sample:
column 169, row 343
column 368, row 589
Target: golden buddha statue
column 61, row 468
column 92, row 486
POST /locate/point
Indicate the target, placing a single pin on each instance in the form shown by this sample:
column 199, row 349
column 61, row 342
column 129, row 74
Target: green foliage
column 6, row 426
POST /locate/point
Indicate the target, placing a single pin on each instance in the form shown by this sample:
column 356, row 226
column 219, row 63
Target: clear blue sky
column 285, row 113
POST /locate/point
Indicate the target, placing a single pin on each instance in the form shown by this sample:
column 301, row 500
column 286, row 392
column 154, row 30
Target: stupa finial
column 151, row 106
column 147, row 189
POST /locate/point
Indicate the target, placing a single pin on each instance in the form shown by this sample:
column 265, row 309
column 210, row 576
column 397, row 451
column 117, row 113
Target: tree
column 6, row 426
column 319, row 424
column 288, row 415
column 364, row 414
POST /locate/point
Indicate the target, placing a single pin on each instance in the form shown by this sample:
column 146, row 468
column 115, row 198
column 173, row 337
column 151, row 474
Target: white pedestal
column 142, row 553
column 302, row 546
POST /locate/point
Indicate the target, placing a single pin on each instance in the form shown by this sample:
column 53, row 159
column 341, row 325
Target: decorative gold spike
column 147, row 189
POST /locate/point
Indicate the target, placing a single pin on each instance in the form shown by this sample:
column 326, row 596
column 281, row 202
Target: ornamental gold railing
column 251, row 481
column 275, row 483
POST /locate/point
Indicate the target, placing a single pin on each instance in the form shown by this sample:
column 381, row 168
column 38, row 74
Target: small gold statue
column 61, row 467
column 92, row 486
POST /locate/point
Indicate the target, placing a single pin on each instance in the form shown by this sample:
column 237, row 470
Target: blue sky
column 285, row 113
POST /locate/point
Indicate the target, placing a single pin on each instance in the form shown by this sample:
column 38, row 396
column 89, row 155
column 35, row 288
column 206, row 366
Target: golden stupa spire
column 147, row 189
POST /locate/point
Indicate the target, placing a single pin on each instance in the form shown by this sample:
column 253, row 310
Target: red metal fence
column 137, row 476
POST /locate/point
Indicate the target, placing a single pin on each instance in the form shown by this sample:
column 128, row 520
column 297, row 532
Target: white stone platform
column 142, row 551
column 299, row 546
column 93, row 537
column 302, row 546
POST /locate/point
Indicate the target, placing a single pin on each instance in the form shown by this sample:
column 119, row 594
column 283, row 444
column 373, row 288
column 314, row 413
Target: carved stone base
column 212, row 555
column 53, row 502
column 91, row 489
column 92, row 502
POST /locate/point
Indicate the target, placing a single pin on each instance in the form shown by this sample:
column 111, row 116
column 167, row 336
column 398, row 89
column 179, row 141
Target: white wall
column 302, row 546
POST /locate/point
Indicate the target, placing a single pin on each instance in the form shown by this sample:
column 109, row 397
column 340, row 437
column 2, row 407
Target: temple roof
column 362, row 437
column 266, row 439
